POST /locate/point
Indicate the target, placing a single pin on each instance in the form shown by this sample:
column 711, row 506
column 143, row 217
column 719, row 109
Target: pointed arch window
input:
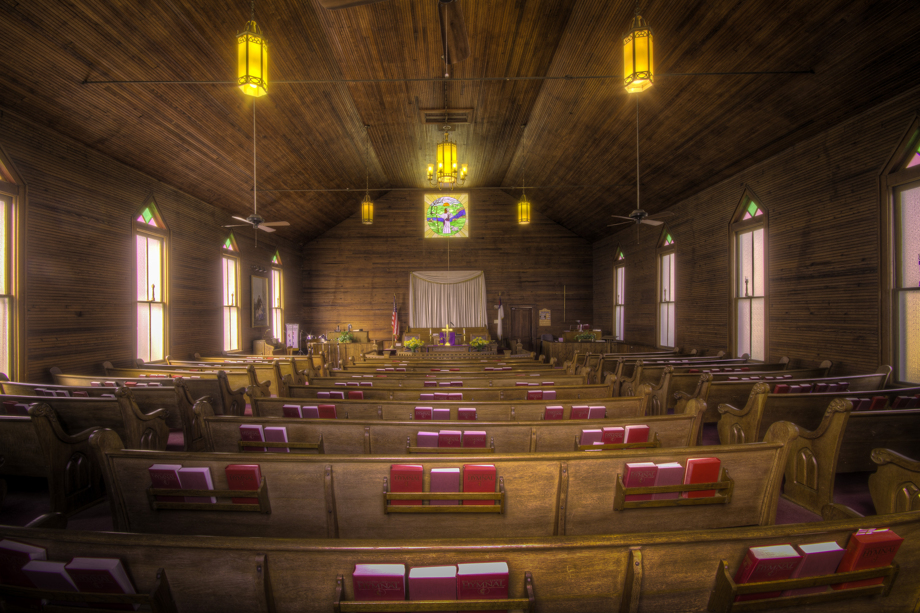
column 151, row 241
column 749, row 277
column 901, row 258
column 619, row 295
column 230, row 294
column 12, row 196
column 667, row 283
column 277, row 297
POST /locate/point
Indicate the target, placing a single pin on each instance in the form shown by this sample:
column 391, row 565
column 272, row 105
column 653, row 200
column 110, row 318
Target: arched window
column 151, row 238
column 230, row 300
column 666, row 288
column 12, row 198
column 619, row 295
column 901, row 258
column 749, row 283
column 277, row 298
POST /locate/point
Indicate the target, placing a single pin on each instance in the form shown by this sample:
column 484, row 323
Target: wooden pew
column 541, row 494
column 260, row 375
column 652, row 373
column 623, row 368
column 470, row 394
column 225, row 400
column 833, row 439
column 718, row 388
column 524, row 410
column 352, row 437
column 644, row 573
column 509, row 379
column 895, row 484
column 610, row 363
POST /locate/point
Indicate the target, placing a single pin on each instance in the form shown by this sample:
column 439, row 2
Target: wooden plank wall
column 351, row 273
column 80, row 268
column 823, row 205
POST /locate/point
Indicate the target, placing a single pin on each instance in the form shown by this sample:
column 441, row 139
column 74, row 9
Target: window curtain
column 440, row 297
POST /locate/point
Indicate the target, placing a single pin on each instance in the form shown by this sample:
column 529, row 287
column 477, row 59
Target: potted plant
column 585, row 336
column 414, row 344
column 346, row 337
column 479, row 344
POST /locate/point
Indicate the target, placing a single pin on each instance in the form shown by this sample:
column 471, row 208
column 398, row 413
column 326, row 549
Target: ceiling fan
column 453, row 28
column 639, row 217
column 255, row 220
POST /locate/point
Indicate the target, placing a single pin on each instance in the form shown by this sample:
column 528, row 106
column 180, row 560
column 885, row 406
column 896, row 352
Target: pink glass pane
column 914, row 161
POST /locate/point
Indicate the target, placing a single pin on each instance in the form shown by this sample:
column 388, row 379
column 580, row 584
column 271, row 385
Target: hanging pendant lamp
column 367, row 205
column 252, row 53
column 638, row 72
column 450, row 173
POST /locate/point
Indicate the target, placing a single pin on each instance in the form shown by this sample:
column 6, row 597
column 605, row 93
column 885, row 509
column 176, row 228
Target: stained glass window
column 751, row 211
column 277, row 302
column 668, row 240
column 620, row 256
column 666, row 304
column 230, row 243
column 151, row 242
column 908, row 284
column 749, row 282
column 915, row 159
column 6, row 298
column 276, row 260
column 619, row 297
column 447, row 216
column 231, row 303
column 150, row 216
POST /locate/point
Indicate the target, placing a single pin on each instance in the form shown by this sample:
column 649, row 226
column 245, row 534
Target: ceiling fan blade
column 651, row 222
column 622, row 223
column 453, row 31
column 236, row 226
column 240, row 218
column 277, row 224
column 343, row 4
column 621, row 217
column 264, row 229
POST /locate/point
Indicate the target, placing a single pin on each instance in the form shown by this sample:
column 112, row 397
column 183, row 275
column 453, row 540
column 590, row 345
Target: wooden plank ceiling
column 694, row 131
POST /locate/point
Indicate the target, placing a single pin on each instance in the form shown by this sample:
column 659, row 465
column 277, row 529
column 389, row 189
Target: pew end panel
column 895, row 485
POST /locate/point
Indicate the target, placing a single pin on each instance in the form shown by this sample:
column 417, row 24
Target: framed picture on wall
column 259, row 301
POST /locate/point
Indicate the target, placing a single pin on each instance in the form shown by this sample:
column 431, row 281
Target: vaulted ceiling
column 578, row 134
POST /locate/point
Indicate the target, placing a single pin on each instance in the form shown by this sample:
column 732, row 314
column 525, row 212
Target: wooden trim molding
column 17, row 252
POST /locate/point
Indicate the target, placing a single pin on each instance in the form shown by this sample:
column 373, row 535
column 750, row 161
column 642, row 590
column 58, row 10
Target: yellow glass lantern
column 252, row 51
column 449, row 171
column 638, row 73
column 367, row 210
column 523, row 210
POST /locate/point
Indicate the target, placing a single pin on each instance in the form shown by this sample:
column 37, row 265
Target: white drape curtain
column 439, row 297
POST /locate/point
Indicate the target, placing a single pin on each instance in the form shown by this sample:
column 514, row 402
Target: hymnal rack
column 451, row 450
column 366, row 606
column 249, row 445
column 261, row 494
column 724, row 487
column 159, row 600
column 453, row 508
column 646, row 445
column 722, row 599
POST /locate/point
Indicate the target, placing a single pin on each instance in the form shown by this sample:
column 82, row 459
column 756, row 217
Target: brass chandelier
column 448, row 175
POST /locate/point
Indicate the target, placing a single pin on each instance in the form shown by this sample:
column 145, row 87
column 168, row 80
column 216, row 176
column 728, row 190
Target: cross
column 447, row 330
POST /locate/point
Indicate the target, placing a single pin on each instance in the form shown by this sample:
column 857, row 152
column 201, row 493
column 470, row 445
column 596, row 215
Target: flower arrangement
column 479, row 343
column 414, row 344
column 585, row 336
column 346, row 337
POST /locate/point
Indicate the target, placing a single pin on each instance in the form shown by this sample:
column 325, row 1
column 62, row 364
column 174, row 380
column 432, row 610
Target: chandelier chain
column 252, row 10
column 367, row 174
column 255, row 189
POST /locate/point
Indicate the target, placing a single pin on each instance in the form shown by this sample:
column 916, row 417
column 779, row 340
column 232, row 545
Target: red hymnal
column 337, row 395
column 426, row 439
column 102, row 576
column 356, row 395
column 422, row 413
column 81, row 394
column 871, row 548
column 166, row 476
column 535, row 395
column 252, row 432
column 817, row 559
column 433, row 583
column 322, row 394
column 456, row 383
column 579, row 412
column 95, row 384
column 276, row 434
column 878, row 403
column 450, row 438
column 482, row 581
column 773, row 563
column 805, row 388
column 110, row 384
column 479, row 478
column 243, row 477
column 13, row 556
column 554, row 412
column 613, row 435
column 820, row 388
column 198, row 478
column 326, row 411
column 444, row 480
column 795, row 389
column 780, row 388
column 547, row 383
column 455, row 396
column 549, row 394
column 290, row 410
column 474, row 438
column 832, row 387
column 521, row 384
column 379, row 581
column 639, row 474
column 426, row 396
column 670, row 473
column 441, row 396
column 440, row 414
column 636, row 434
column 589, row 437
column 405, row 478
column 48, row 575
column 466, row 414
column 311, row 412
column 597, row 412
column 843, row 386
column 429, row 383
column 701, row 470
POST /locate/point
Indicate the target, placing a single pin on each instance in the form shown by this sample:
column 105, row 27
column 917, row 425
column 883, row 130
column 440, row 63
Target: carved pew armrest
column 727, row 409
column 835, row 510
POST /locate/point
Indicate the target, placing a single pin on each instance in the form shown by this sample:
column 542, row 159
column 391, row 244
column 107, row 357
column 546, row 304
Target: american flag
column 395, row 318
